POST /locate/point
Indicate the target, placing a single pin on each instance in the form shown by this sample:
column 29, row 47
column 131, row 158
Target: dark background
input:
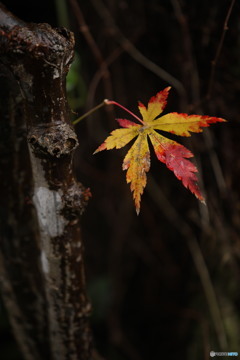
column 164, row 284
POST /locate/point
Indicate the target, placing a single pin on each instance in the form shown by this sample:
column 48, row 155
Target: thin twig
column 195, row 87
column 98, row 76
column 201, row 267
column 84, row 29
column 218, row 51
column 214, row 61
column 133, row 51
column 189, row 66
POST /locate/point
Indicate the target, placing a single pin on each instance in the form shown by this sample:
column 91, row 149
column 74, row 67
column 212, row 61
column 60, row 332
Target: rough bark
column 41, row 250
column 21, row 280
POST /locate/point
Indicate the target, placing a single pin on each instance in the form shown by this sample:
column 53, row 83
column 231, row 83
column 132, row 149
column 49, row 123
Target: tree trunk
column 41, row 250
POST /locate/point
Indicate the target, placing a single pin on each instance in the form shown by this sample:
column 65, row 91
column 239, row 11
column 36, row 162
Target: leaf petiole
column 89, row 112
column 105, row 102
column 111, row 102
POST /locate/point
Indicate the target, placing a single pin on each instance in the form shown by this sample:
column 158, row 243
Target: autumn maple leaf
column 171, row 153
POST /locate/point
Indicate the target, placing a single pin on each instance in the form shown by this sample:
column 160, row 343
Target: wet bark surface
column 41, row 249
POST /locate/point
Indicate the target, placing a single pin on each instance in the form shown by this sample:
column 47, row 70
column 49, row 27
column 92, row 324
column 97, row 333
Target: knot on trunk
column 75, row 201
column 55, row 140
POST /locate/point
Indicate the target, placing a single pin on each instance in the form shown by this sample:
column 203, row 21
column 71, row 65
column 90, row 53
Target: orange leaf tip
column 100, row 148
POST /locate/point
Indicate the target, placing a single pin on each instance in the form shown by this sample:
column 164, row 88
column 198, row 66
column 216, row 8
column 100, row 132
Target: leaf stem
column 105, row 102
column 111, row 102
column 89, row 112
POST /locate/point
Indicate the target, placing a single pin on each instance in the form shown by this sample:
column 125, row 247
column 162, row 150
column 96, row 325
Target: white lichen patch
column 56, row 73
column 48, row 204
column 44, row 261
